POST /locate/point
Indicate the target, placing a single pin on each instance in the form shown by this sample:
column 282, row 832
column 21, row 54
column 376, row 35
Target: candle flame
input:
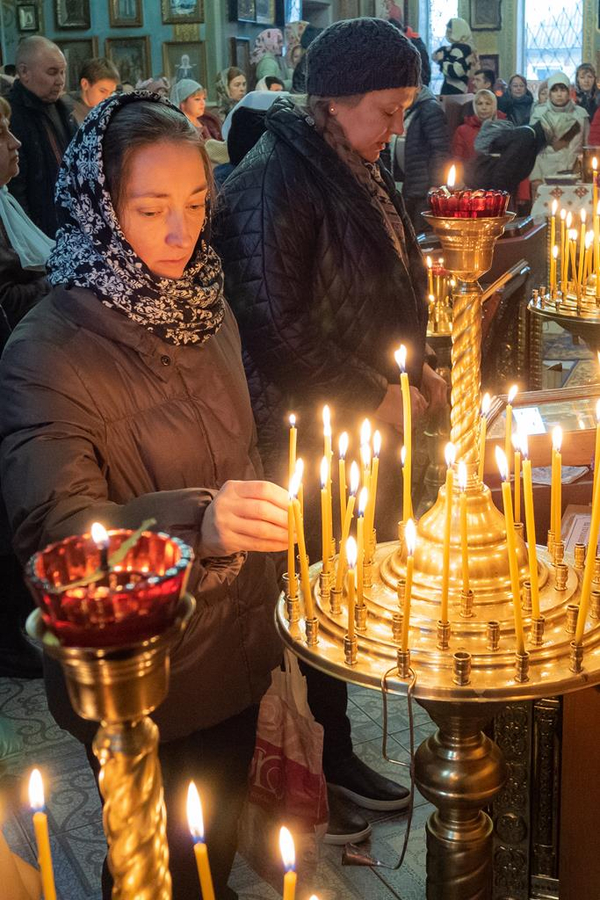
column 501, row 463
column 292, row 420
column 365, row 456
column 343, row 444
column 555, row 251
column 485, row 404
column 429, row 262
column 99, row 535
column 326, row 421
column 573, row 234
column 563, row 214
column 410, row 537
column 513, row 393
column 524, row 444
column 594, row 163
column 288, row 851
column 377, row 443
column 365, row 432
column 554, row 206
column 583, row 215
column 299, row 470
column 400, row 357
column 432, row 298
column 557, row 436
column 598, row 412
column 569, row 219
column 589, row 239
column 194, row 813
column 294, row 486
column 462, row 475
column 451, row 179
column 440, row 260
column 36, row 791
column 324, row 472
column 403, row 455
column 351, row 552
column 450, row 454
column 354, row 478
column 363, row 498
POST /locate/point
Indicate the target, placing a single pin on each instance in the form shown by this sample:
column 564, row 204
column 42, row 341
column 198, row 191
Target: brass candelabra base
column 120, row 687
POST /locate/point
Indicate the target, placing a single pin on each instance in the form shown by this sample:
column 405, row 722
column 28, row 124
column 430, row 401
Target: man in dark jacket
column 426, row 154
column 41, row 121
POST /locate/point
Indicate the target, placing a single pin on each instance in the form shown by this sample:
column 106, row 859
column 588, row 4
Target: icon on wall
column 72, row 14
column 184, row 59
column 131, row 56
column 175, row 12
column 126, row 14
column 27, row 17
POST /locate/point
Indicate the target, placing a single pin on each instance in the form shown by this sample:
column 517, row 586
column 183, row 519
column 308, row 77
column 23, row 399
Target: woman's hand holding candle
column 509, row 523
column 245, row 515
column 196, row 825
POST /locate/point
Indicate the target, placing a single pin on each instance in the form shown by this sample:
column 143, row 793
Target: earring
column 332, row 110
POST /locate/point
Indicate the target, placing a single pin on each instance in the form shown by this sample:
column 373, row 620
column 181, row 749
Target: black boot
column 346, row 825
column 355, row 781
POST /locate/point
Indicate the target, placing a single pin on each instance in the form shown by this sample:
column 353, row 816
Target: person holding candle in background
column 326, row 280
column 125, row 399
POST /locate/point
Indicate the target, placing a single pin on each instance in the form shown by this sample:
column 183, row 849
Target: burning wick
column 102, row 541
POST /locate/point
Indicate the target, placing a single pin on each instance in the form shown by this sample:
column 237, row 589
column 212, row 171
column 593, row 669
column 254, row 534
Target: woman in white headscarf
column 459, row 60
column 24, row 249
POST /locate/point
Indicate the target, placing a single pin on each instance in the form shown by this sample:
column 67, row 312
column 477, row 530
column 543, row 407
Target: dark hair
column 233, row 72
column 272, row 79
column 10, row 69
column 488, row 74
column 139, row 125
column 94, row 70
column 520, row 77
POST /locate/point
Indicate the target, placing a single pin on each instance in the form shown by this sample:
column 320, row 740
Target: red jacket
column 463, row 142
column 594, row 135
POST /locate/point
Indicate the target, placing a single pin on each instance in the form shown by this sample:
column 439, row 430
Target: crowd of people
column 158, row 330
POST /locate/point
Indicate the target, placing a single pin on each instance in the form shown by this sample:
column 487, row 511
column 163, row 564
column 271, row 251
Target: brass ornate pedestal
column 119, row 687
column 467, row 670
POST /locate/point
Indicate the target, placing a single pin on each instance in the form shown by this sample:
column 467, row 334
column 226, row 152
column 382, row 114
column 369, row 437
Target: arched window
column 436, row 13
column 552, row 34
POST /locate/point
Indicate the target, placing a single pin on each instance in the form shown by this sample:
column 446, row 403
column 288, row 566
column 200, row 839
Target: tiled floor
column 28, row 737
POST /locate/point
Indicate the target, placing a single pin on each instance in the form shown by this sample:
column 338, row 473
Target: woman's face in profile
column 159, row 215
column 370, row 124
column 9, row 152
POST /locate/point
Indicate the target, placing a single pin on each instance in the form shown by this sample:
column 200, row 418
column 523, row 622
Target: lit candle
column 400, row 357
column 553, row 259
column 328, row 454
column 354, row 481
column 582, row 234
column 451, row 179
column 343, row 449
column 511, row 548
column 597, row 248
column 309, row 611
column 516, row 440
column 288, row 855
column 485, row 408
column 370, row 523
column 563, row 249
column 292, row 446
column 556, row 488
column 429, row 276
column 299, row 472
column 351, row 555
column 594, row 182
column 588, row 265
column 363, row 499
column 596, row 448
column 553, row 222
column 42, row 838
column 325, row 510
column 573, row 255
column 365, row 453
column 102, row 541
column 450, row 454
column 508, row 429
column 410, row 538
column 588, row 572
column 530, row 523
column 464, row 540
column 292, row 579
column 196, row 825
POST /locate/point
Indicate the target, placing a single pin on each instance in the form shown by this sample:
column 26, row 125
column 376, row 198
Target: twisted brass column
column 466, row 371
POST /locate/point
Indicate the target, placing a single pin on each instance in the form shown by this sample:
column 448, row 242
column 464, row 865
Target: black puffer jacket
column 320, row 293
column 516, row 109
column 427, row 148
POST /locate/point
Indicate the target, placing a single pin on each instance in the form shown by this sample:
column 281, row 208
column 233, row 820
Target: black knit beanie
column 355, row 56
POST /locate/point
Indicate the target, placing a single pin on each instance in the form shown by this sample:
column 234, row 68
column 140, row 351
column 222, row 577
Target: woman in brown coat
column 124, row 396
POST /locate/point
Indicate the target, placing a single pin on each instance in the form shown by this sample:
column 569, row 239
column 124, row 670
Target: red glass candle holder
column 131, row 602
column 467, row 204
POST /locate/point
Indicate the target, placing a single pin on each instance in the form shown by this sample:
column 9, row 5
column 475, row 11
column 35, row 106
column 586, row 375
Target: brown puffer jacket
column 101, row 420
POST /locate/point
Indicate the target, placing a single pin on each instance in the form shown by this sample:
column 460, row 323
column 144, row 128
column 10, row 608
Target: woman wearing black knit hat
column 326, row 280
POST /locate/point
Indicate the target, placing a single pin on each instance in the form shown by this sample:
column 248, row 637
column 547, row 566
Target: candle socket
column 493, row 634
column 519, row 529
column 350, row 650
column 579, row 556
column 335, row 602
column 551, row 543
column 462, row 667
column 572, row 613
column 595, row 605
column 536, row 636
column 596, row 575
column 360, row 617
column 332, row 551
column 466, row 604
column 558, row 552
column 325, row 586
column 443, row 635
column 400, row 589
column 403, row 663
column 367, row 575
column 575, row 657
column 561, row 571
column 526, row 596
column 312, row 631
column 522, row 667
column 397, row 626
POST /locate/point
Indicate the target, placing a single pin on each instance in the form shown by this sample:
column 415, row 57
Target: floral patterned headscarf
column 92, row 252
column 268, row 41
